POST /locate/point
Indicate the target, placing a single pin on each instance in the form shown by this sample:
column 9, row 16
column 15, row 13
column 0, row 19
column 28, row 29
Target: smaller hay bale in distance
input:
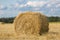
column 31, row 23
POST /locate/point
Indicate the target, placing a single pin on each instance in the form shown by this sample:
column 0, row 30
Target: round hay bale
column 31, row 23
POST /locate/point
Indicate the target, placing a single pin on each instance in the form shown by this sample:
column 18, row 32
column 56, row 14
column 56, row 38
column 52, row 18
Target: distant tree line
column 54, row 19
column 11, row 19
column 7, row 20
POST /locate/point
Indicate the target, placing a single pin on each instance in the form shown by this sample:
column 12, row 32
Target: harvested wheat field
column 7, row 32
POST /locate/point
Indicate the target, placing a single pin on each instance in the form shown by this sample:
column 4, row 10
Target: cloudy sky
column 11, row 8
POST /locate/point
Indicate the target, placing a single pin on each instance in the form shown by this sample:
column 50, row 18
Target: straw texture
column 31, row 23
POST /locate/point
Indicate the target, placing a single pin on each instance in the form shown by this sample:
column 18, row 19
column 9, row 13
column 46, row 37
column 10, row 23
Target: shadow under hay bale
column 31, row 23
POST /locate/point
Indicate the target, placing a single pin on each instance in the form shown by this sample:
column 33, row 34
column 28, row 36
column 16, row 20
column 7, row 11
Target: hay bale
column 31, row 23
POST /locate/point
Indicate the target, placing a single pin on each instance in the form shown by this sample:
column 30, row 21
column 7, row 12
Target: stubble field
column 7, row 32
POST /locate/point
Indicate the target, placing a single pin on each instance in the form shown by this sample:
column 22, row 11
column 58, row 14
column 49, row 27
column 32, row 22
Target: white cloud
column 58, row 5
column 49, row 5
column 36, row 9
column 36, row 3
column 53, row 2
column 1, row 12
column 17, row 4
column 2, row 6
column 22, row 5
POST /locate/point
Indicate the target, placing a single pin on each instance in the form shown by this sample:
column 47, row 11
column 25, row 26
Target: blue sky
column 11, row 8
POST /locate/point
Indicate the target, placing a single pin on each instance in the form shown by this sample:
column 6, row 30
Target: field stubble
column 7, row 32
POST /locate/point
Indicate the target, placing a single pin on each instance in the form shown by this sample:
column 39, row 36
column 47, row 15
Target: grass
column 7, row 32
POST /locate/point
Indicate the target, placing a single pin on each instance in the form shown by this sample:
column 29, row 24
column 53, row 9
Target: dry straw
column 31, row 23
